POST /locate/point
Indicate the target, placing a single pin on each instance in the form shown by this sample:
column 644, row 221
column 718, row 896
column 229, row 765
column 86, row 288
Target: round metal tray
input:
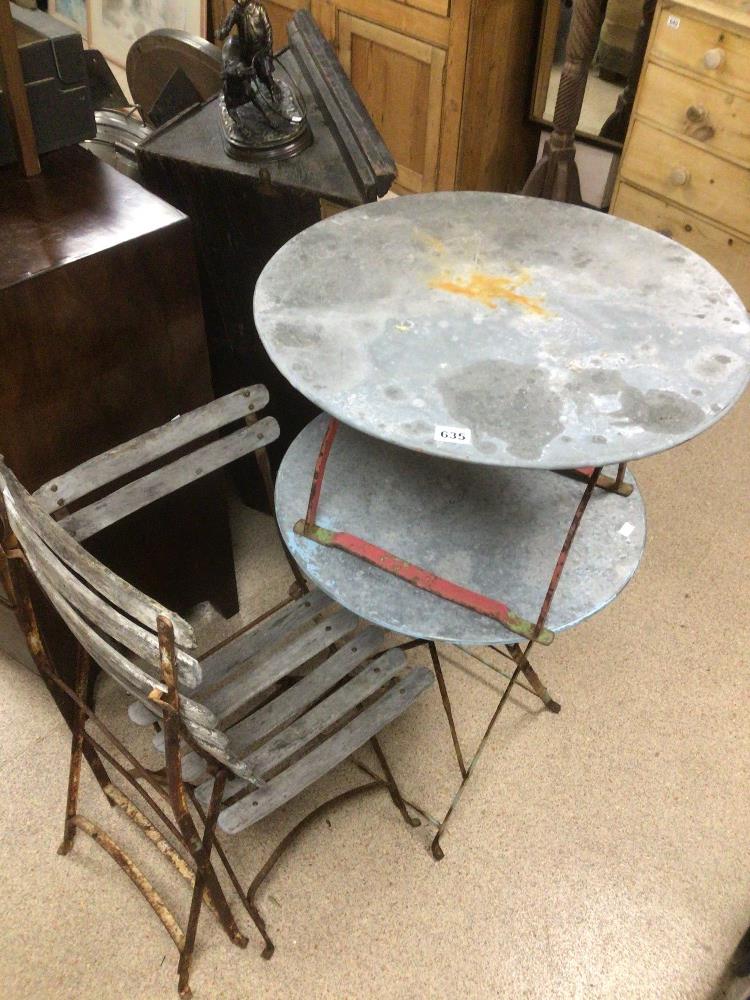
column 153, row 58
column 496, row 531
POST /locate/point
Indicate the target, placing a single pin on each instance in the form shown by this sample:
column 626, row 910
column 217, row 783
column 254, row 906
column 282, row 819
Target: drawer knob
column 714, row 58
column 680, row 176
column 696, row 113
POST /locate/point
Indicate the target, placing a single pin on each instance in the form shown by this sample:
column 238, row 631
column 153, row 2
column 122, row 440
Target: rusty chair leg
column 186, row 953
column 79, row 734
column 393, row 788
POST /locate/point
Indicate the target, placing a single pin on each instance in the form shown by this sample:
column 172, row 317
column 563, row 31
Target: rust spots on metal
column 136, row 876
column 118, row 798
column 320, row 468
column 489, row 289
column 606, row 483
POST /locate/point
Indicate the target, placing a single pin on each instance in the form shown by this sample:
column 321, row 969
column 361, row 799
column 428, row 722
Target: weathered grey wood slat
column 290, row 704
column 149, row 447
column 161, row 482
column 100, row 613
column 138, row 682
column 260, row 802
column 266, row 634
column 213, row 739
column 134, row 603
column 235, row 765
column 325, row 715
column 267, row 668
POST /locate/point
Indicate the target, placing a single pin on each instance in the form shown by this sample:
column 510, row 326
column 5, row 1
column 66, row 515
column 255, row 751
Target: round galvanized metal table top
column 495, row 531
column 504, row 330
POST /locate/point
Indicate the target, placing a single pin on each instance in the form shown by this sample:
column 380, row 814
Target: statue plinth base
column 265, row 131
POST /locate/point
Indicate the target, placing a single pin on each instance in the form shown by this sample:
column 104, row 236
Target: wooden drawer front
column 400, row 81
column 728, row 254
column 688, row 175
column 716, row 53
column 717, row 118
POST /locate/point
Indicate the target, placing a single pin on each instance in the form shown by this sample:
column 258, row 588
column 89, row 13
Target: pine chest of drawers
column 685, row 167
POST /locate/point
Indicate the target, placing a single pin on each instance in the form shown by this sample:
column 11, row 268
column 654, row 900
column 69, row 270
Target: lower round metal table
column 494, row 530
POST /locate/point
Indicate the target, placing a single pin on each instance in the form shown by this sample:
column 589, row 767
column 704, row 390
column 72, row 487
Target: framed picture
column 116, row 24
column 73, row 13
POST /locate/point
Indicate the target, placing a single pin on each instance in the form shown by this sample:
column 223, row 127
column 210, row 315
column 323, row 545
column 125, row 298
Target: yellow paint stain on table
column 489, row 289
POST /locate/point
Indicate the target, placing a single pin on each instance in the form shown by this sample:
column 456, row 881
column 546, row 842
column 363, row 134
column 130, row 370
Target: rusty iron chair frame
column 186, row 843
column 594, row 478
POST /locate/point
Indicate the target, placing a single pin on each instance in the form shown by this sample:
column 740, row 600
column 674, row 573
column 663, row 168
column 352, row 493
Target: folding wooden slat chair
column 246, row 728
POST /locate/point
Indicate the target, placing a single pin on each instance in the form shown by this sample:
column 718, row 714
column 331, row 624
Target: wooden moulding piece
column 360, row 143
column 16, row 103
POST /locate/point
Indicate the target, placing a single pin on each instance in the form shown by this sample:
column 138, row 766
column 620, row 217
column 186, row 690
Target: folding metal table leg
column 393, row 788
column 437, row 851
column 533, row 678
column 447, row 707
column 521, row 657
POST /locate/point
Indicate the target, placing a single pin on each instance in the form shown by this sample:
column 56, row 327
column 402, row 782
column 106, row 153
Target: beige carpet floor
column 601, row 853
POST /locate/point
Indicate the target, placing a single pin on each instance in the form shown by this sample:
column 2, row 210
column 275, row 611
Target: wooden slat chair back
column 244, row 729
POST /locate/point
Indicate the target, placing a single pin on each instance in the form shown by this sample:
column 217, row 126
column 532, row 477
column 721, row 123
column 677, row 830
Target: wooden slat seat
column 315, row 742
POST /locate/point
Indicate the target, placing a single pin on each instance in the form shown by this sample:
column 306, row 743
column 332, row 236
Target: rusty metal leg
column 521, row 658
column 7, row 600
column 136, row 876
column 533, row 678
column 447, row 707
column 118, row 798
column 393, row 788
column 437, row 851
column 186, row 955
column 255, row 916
column 176, row 786
column 299, row 587
column 26, row 617
column 620, row 475
column 83, row 664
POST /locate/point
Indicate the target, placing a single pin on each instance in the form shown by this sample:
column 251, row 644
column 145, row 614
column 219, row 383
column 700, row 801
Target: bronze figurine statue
column 262, row 115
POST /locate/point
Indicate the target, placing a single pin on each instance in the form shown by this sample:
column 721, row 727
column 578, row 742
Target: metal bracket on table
column 411, row 573
column 606, row 483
